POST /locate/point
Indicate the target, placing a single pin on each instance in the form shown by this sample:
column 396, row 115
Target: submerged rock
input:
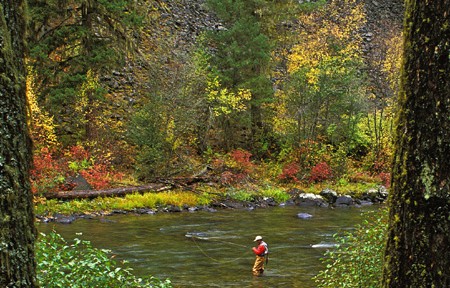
column 64, row 219
column 304, row 216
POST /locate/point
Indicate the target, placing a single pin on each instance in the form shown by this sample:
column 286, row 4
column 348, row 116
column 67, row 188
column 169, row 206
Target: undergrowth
column 357, row 261
column 79, row 265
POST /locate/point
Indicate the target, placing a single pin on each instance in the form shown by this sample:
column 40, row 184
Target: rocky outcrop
column 188, row 19
column 384, row 22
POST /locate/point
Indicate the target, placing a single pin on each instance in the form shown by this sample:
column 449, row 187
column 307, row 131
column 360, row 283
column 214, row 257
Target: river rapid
column 213, row 249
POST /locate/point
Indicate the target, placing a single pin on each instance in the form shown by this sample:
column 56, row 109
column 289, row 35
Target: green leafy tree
column 417, row 253
column 147, row 133
column 324, row 94
column 174, row 119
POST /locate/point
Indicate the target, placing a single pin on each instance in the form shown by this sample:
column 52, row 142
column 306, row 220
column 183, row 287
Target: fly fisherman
column 261, row 251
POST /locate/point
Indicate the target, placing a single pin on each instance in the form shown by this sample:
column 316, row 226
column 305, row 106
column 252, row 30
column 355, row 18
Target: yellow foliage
column 329, row 36
column 392, row 62
column 328, row 43
column 224, row 101
column 171, row 134
column 281, row 121
column 313, row 77
column 42, row 127
column 85, row 102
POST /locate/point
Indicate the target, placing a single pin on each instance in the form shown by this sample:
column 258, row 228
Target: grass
column 129, row 202
column 204, row 196
column 278, row 194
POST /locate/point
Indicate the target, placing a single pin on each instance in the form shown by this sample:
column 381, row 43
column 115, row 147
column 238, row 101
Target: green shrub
column 60, row 264
column 153, row 150
column 357, row 261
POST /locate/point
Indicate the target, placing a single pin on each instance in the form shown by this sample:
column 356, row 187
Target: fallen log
column 91, row 194
column 163, row 185
column 180, row 182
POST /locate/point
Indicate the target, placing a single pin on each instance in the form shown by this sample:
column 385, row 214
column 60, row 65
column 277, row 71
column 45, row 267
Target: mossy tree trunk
column 418, row 245
column 17, row 232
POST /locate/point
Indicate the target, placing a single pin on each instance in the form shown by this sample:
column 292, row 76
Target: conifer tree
column 242, row 57
column 72, row 43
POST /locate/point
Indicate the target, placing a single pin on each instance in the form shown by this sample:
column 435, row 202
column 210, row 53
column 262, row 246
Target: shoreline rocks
column 327, row 198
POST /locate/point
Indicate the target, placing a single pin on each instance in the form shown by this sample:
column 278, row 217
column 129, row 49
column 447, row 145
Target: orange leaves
column 46, row 174
column 242, row 160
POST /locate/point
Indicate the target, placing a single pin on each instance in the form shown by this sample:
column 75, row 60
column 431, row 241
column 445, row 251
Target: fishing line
column 230, row 243
column 214, row 259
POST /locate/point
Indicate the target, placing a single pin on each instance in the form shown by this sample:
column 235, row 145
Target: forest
column 124, row 93
column 243, row 96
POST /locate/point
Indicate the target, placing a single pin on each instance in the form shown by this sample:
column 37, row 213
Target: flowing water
column 205, row 249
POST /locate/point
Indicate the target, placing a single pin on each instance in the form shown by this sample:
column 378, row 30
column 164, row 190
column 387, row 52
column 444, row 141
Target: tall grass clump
column 240, row 195
column 279, row 195
column 357, row 261
column 79, row 265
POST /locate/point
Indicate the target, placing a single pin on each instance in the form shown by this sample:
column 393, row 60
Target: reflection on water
column 204, row 249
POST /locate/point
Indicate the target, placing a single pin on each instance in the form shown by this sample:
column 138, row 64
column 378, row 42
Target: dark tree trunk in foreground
column 17, row 232
column 418, row 246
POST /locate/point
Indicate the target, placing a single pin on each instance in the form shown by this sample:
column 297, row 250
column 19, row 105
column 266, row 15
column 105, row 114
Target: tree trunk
column 417, row 253
column 17, row 232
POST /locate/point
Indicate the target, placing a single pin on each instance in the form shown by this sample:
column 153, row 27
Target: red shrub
column 320, row 172
column 385, row 179
column 97, row 176
column 290, row 172
column 46, row 174
column 100, row 177
column 78, row 153
column 242, row 159
column 49, row 175
column 229, row 178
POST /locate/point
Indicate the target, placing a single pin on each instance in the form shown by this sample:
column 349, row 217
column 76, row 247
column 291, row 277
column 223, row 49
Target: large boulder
column 310, row 199
column 375, row 195
column 329, row 195
column 344, row 201
column 78, row 182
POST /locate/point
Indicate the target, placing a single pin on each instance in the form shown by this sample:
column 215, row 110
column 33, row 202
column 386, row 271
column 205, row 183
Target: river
column 213, row 249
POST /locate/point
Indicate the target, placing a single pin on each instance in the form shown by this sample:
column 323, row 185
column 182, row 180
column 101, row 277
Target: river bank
column 188, row 201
